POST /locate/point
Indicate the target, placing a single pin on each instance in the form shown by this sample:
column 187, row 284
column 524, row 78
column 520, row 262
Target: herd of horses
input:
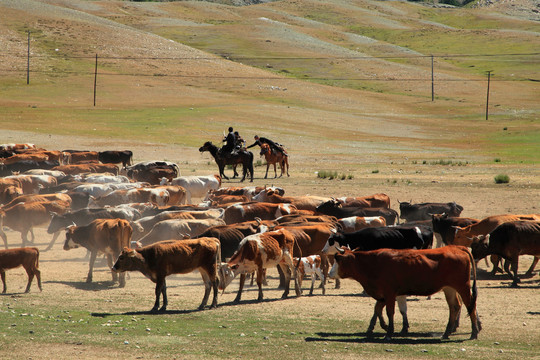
column 245, row 158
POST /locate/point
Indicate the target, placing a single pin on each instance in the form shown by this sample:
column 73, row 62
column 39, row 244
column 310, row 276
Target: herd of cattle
column 142, row 217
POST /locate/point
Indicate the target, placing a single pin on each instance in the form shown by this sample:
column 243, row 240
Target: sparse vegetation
column 502, row 179
column 331, row 175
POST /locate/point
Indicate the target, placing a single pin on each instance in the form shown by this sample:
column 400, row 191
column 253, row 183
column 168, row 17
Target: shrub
column 502, row 179
column 376, row 171
column 497, row 160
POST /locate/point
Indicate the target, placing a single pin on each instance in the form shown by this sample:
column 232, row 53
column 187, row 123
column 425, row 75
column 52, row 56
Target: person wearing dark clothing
column 230, row 143
column 262, row 140
column 240, row 142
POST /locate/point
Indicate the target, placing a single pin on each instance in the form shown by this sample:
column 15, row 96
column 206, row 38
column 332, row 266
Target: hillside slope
column 347, row 77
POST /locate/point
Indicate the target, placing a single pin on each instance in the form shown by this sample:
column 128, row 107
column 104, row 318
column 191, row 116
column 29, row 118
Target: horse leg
column 267, row 167
column 275, row 171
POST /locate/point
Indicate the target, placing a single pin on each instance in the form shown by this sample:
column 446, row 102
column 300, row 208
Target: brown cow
column 108, row 236
column 249, row 211
column 23, row 157
column 39, row 198
column 140, row 195
column 25, row 257
column 24, row 216
column 387, row 273
column 256, row 253
column 510, row 240
column 301, row 202
column 76, row 169
column 159, row 260
column 370, row 201
column 9, row 194
column 464, row 236
column 77, row 157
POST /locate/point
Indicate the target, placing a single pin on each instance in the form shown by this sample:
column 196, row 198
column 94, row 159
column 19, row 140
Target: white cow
column 177, row 229
column 196, row 186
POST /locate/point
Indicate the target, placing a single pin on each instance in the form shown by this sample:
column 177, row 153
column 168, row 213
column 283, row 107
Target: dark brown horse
column 274, row 157
column 240, row 157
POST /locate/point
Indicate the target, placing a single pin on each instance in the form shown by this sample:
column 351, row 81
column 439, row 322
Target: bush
column 502, row 179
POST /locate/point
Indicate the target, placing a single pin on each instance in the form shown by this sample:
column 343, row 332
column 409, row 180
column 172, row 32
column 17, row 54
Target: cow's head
column 70, row 242
column 333, row 245
column 479, row 246
column 128, row 260
column 227, row 273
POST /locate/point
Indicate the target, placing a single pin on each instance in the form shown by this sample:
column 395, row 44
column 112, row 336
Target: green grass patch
column 502, row 179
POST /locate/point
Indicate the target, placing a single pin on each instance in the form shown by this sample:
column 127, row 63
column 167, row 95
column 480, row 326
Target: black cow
column 510, row 240
column 25, row 165
column 423, row 211
column 115, row 157
column 335, row 208
column 377, row 238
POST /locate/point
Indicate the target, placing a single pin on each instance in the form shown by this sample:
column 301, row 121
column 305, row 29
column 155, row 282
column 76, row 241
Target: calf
column 256, row 253
column 387, row 274
column 25, row 257
column 108, row 236
column 162, row 259
column 510, row 240
column 310, row 265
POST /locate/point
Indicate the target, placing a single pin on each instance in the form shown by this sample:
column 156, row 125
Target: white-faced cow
column 256, row 253
column 159, row 260
column 509, row 241
column 387, row 274
column 108, row 236
column 28, row 258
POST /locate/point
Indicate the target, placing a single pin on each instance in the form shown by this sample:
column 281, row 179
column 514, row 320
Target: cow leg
column 214, row 283
column 240, row 288
column 313, row 278
column 402, row 305
column 321, row 275
column 390, row 303
column 93, row 256
column 110, row 264
column 32, row 236
column 533, row 265
column 55, row 236
column 495, row 261
column 3, row 276
column 24, row 237
column 4, row 237
column 292, row 272
column 30, row 273
column 260, row 277
column 454, row 308
column 160, row 289
column 377, row 314
column 514, row 269
column 207, row 288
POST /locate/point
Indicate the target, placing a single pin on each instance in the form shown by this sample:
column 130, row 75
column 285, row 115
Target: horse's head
column 206, row 147
column 264, row 149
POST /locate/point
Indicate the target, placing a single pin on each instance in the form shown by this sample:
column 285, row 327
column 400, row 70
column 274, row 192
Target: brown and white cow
column 310, row 265
column 108, row 236
column 387, row 274
column 159, row 260
column 25, row 257
column 24, row 216
column 355, row 223
column 250, row 211
column 256, row 253
column 510, row 240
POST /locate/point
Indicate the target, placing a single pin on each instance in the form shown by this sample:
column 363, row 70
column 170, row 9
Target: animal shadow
column 378, row 338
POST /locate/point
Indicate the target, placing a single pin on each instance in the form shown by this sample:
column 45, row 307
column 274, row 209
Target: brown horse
column 274, row 157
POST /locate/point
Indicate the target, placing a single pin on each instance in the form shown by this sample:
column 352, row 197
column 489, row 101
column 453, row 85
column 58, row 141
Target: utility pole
column 487, row 95
column 28, row 61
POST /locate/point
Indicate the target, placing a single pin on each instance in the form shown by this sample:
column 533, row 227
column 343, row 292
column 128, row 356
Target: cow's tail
column 474, row 289
column 219, row 269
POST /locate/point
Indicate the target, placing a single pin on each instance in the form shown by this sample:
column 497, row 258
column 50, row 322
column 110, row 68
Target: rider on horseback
column 230, row 144
column 276, row 148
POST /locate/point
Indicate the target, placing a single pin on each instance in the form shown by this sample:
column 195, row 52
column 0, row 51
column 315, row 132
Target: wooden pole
column 487, row 95
column 95, row 81
column 28, row 61
column 432, row 81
